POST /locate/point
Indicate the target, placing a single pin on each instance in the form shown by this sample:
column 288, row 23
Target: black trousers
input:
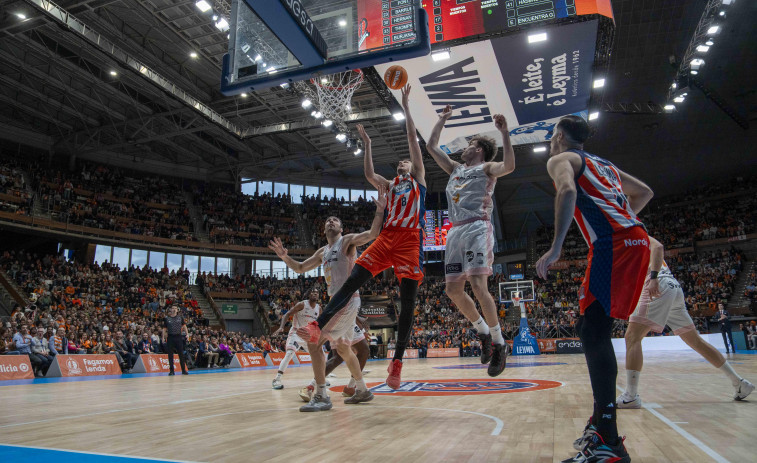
column 727, row 337
column 176, row 344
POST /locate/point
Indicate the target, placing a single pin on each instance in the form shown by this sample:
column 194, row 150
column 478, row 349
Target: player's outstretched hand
column 381, row 199
column 363, row 134
column 406, row 96
column 276, row 246
column 549, row 258
column 654, row 288
column 446, row 113
column 500, row 122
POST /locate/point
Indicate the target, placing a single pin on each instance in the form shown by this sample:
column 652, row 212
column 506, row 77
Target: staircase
column 38, row 208
column 738, row 300
column 10, row 293
column 197, row 224
column 204, row 303
column 304, row 234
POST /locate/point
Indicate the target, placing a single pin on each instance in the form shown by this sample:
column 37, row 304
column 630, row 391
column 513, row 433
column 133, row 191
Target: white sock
column 313, row 383
column 321, row 390
column 632, row 382
column 481, row 326
column 728, row 370
column 279, row 375
column 360, row 385
column 496, row 334
column 285, row 362
column 351, row 383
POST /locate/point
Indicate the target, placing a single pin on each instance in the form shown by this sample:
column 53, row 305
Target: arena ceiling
column 58, row 85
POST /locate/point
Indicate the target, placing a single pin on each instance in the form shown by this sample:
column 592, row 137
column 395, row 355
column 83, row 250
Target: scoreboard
column 437, row 226
column 516, row 270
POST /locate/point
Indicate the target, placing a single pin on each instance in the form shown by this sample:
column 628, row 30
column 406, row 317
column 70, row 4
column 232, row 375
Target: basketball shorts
column 395, row 247
column 295, row 342
column 469, row 251
column 668, row 309
column 357, row 335
column 615, row 275
column 341, row 328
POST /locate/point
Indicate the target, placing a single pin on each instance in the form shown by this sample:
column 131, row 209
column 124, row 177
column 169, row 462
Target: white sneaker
column 625, row 400
column 331, row 375
column 366, row 371
column 743, row 390
column 277, row 384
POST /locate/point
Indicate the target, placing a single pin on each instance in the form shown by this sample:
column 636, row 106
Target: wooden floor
column 236, row 417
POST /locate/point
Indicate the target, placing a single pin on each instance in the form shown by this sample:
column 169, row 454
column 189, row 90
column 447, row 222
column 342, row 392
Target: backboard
column 508, row 288
column 275, row 42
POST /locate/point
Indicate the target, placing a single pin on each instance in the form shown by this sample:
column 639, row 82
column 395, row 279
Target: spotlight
column 679, row 99
column 540, row 149
column 693, row 72
column 341, row 137
column 599, row 83
column 703, row 48
column 284, row 85
column 193, row 55
column 215, row 17
column 324, row 80
column 222, row 25
column 722, row 14
column 327, row 123
column 342, row 23
column 674, row 86
column 669, row 108
column 533, row 38
column 203, row 6
column 318, row 115
column 440, row 55
column 306, row 103
column 593, row 116
column 398, row 116
column 709, row 43
column 21, row 16
column 357, row 151
column 313, row 113
column 271, row 70
column 696, row 63
column 143, row 69
column 243, row 95
column 713, row 30
column 258, row 58
column 113, row 73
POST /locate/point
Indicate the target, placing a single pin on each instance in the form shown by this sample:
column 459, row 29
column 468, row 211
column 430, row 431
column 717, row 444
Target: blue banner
column 525, row 343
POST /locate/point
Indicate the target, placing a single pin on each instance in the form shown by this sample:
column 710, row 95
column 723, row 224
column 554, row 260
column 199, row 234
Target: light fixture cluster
column 710, row 25
column 220, row 22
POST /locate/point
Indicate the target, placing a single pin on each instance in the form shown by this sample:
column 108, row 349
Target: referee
column 174, row 331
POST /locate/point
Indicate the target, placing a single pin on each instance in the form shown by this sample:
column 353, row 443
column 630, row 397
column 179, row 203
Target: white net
column 332, row 94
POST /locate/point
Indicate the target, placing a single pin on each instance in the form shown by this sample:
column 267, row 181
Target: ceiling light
column 709, row 43
column 306, row 103
column 341, row 137
column 271, row 69
column 324, row 80
column 440, row 55
column 203, row 6
column 215, row 17
column 318, row 115
column 703, row 48
column 722, row 14
column 669, row 107
column 113, row 73
column 696, row 63
column 694, row 72
column 258, row 58
column 284, row 85
column 727, row 2
column 222, row 25
column 243, row 95
column 540, row 149
column 533, row 38
column 313, row 112
column 357, row 151
column 193, row 55
column 327, row 123
column 679, row 99
column 599, row 83
column 143, row 70
column 713, row 30
column 593, row 116
column 342, row 23
column 21, row 15
column 398, row 116
column 674, row 86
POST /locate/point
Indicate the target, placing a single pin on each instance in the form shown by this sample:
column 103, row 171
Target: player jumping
column 398, row 245
column 469, row 253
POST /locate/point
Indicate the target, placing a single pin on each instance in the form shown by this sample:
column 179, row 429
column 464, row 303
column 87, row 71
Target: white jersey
column 469, row 194
column 664, row 271
column 306, row 315
column 336, row 266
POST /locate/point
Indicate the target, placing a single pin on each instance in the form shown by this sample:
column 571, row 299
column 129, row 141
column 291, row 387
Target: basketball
column 395, row 77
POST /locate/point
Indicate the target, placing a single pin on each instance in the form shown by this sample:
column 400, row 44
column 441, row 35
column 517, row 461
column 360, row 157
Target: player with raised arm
column 662, row 303
column 469, row 252
column 604, row 201
column 398, row 245
column 337, row 258
column 301, row 314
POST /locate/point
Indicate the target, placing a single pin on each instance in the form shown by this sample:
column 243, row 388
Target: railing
column 213, row 305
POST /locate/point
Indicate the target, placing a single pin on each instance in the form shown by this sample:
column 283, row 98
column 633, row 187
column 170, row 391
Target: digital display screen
column 435, row 233
column 516, row 270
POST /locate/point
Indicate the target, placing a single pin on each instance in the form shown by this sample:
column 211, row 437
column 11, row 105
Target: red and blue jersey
column 405, row 207
column 602, row 209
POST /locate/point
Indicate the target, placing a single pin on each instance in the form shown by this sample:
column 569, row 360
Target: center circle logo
column 23, row 367
column 446, row 387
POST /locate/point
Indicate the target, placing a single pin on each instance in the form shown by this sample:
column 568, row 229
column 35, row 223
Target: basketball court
column 448, row 410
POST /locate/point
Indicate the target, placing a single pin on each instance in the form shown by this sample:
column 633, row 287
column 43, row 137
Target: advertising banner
column 569, row 346
column 303, row 357
column 83, row 365
column 248, row 360
column 547, row 345
column 409, row 354
column 277, row 357
column 443, row 352
column 155, row 363
column 525, row 343
column 15, row 367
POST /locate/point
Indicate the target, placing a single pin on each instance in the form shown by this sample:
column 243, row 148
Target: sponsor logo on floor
column 446, row 387
column 509, row 365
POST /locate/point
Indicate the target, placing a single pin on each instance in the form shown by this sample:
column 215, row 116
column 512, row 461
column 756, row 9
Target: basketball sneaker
column 597, row 451
column 395, row 372
column 499, row 359
column 589, row 432
column 310, row 333
column 348, row 391
column 318, row 403
column 359, row 396
column 486, row 347
column 626, row 400
column 277, row 384
column 743, row 390
column 306, row 393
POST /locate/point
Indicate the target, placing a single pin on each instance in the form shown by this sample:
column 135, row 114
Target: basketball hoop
column 516, row 298
column 334, row 93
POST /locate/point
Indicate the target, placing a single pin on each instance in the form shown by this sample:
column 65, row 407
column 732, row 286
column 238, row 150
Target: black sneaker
column 486, row 347
column 597, row 451
column 171, row 373
column 499, row 359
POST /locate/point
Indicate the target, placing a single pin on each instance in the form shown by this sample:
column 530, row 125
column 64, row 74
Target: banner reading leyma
column 83, row 365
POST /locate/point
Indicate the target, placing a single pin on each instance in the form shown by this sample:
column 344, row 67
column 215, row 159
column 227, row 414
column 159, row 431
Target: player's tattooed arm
column 370, row 174
column 310, row 263
column 416, row 158
column 499, row 169
column 441, row 158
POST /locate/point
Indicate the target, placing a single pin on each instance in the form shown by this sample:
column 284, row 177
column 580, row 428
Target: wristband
column 653, row 275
